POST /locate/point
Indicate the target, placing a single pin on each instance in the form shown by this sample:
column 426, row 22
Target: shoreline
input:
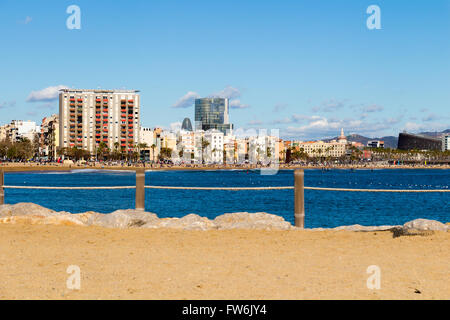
column 34, row 167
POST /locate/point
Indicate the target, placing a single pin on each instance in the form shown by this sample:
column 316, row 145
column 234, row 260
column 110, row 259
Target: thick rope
column 219, row 188
column 69, row 188
column 229, row 189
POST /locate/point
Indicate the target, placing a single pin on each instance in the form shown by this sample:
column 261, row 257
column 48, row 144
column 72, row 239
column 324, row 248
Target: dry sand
column 236, row 264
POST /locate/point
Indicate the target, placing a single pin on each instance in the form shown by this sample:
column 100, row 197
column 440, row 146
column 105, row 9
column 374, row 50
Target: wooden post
column 2, row 183
column 140, row 189
column 299, row 202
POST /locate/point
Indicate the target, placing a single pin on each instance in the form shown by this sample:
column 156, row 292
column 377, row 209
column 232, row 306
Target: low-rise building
column 446, row 142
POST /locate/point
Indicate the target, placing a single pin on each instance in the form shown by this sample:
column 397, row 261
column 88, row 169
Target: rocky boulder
column 245, row 220
column 119, row 219
column 24, row 209
column 189, row 222
column 425, row 225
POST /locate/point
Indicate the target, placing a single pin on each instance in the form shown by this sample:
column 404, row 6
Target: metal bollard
column 2, row 183
column 299, row 200
column 140, row 189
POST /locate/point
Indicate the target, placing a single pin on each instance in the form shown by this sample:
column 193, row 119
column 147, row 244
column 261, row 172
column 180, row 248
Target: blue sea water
column 323, row 208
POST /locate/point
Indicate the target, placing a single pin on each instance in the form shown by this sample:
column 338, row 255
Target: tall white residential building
column 214, row 151
column 90, row 117
column 446, row 142
column 263, row 148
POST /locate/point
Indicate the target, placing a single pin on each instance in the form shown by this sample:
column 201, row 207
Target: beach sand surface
column 232, row 264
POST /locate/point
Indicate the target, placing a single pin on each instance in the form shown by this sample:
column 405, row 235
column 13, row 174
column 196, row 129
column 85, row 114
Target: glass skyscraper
column 212, row 113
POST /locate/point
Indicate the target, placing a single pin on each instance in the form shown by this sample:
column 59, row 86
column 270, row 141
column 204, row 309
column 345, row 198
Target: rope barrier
column 229, row 189
column 219, row 188
column 69, row 188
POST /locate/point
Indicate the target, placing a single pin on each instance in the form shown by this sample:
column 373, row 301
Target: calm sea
column 323, row 208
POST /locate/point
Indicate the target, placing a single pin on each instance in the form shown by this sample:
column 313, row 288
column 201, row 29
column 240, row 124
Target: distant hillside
column 435, row 134
column 389, row 142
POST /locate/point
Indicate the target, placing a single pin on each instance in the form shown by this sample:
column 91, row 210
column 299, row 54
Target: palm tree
column 153, row 152
column 205, row 144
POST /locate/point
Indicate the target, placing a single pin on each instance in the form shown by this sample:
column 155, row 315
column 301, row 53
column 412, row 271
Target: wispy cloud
column 279, row 107
column 255, row 123
column 229, row 92
column 7, row 104
column 322, row 127
column 46, row 95
column 331, row 105
column 187, row 100
column 232, row 94
column 372, row 108
column 237, row 104
column 27, row 20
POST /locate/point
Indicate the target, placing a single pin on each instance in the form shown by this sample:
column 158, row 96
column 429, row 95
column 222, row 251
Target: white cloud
column 187, row 100
column 228, row 93
column 47, row 94
column 175, row 126
column 28, row 20
column 321, row 127
column 236, row 104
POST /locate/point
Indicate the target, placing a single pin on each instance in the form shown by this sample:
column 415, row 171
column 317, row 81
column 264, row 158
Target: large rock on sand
column 119, row 219
column 25, row 209
column 189, row 222
column 245, row 220
column 425, row 225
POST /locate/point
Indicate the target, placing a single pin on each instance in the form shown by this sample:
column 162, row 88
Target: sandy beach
column 227, row 264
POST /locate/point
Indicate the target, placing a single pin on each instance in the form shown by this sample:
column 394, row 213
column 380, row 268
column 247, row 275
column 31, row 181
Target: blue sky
column 307, row 68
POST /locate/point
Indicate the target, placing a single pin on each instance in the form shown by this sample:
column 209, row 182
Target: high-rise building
column 187, row 125
column 91, row 117
column 212, row 113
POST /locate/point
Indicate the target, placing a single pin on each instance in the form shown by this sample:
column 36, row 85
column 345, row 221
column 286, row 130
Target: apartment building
column 323, row 149
column 214, row 152
column 49, row 137
column 91, row 117
column 19, row 129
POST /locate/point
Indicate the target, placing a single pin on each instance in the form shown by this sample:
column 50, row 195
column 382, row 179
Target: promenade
column 61, row 167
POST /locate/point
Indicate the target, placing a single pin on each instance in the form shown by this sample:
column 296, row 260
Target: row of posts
column 299, row 194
